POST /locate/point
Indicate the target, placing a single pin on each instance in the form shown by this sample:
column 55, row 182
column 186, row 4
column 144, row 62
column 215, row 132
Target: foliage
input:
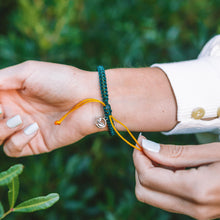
column 10, row 178
column 95, row 177
column 7, row 177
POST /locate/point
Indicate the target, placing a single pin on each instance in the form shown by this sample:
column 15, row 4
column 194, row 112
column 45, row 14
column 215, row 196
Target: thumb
column 181, row 155
column 13, row 77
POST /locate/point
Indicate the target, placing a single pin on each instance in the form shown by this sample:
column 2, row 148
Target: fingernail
column 31, row 129
column 14, row 121
column 0, row 110
column 150, row 146
column 139, row 135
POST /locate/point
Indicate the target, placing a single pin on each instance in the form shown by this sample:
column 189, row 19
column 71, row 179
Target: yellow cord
column 78, row 105
column 111, row 118
column 132, row 136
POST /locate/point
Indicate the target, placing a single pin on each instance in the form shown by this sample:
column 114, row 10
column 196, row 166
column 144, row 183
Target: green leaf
column 38, row 203
column 1, row 210
column 13, row 191
column 7, row 176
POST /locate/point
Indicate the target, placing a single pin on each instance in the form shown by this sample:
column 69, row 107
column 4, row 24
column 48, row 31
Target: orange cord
column 78, row 105
column 111, row 118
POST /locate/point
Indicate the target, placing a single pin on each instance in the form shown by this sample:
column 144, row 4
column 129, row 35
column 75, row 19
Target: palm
column 44, row 98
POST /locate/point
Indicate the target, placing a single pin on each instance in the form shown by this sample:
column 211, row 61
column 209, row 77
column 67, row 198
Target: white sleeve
column 196, row 85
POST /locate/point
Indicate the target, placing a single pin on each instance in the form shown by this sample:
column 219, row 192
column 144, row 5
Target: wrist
column 141, row 98
column 86, row 86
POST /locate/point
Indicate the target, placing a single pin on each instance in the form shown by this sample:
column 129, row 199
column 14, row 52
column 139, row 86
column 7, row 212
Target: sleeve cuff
column 196, row 85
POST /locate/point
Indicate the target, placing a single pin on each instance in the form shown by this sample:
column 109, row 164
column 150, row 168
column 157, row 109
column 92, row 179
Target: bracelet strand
column 104, row 92
column 111, row 118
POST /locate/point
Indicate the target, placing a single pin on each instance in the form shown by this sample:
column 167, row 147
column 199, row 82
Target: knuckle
column 198, row 195
column 139, row 193
column 143, row 180
column 8, row 152
column 202, row 194
column 28, row 64
column 175, row 151
column 201, row 213
column 13, row 142
column 172, row 153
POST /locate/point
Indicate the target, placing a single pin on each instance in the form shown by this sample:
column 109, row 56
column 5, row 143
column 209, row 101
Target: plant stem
column 7, row 213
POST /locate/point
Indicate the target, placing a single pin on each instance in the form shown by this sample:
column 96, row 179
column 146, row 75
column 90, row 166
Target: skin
column 43, row 92
column 162, row 181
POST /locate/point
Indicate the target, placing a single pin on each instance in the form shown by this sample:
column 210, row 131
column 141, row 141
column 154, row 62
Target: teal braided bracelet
column 104, row 93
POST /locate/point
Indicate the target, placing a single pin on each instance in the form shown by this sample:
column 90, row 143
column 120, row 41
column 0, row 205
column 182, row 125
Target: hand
column 42, row 92
column 161, row 180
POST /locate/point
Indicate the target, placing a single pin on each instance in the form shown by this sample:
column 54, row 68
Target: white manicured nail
column 140, row 135
column 31, row 129
column 14, row 121
column 150, row 145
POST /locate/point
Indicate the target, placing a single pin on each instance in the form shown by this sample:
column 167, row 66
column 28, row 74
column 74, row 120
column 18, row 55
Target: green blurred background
column 95, row 177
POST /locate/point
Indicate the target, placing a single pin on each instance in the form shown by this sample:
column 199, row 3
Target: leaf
column 13, row 191
column 7, row 176
column 38, row 203
column 1, row 210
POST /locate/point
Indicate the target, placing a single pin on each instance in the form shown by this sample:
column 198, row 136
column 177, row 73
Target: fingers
column 176, row 204
column 181, row 156
column 8, row 126
column 17, row 137
column 188, row 184
column 16, row 144
column 164, row 201
column 13, row 77
column 178, row 183
column 193, row 192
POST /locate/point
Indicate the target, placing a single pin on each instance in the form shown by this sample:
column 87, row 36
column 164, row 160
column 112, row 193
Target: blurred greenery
column 95, row 177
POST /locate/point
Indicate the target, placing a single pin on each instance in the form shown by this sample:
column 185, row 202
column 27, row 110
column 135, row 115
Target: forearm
column 141, row 98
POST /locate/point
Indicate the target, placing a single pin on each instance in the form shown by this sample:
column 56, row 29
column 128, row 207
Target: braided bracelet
column 104, row 92
column 109, row 119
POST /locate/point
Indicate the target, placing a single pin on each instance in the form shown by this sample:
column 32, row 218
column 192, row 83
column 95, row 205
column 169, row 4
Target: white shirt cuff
column 196, row 85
